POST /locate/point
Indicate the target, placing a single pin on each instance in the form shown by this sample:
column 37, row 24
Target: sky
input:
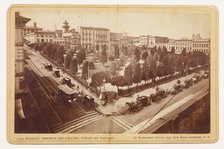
column 175, row 26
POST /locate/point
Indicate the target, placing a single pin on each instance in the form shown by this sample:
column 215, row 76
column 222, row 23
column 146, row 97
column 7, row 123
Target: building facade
column 92, row 37
column 115, row 40
column 20, row 23
column 144, row 41
column 183, row 44
column 58, row 38
column 202, row 45
column 40, row 37
column 31, row 29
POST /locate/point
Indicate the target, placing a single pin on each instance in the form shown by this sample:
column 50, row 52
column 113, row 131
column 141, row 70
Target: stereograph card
column 112, row 74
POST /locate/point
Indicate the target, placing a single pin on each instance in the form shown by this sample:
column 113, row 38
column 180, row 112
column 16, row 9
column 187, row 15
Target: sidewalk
column 118, row 106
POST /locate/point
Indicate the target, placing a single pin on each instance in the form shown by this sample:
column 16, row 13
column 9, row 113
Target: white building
column 93, row 36
column 143, row 41
column 183, row 44
column 40, row 37
column 151, row 41
column 202, row 45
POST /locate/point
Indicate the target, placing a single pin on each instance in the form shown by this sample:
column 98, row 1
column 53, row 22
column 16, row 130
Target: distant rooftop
column 90, row 27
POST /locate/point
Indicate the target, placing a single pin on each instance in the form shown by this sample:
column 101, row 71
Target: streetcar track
column 45, row 89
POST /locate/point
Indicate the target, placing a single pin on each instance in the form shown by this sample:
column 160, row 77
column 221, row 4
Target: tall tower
column 20, row 23
column 66, row 26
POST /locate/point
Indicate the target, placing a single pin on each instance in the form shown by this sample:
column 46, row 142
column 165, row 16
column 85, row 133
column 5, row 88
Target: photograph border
column 212, row 137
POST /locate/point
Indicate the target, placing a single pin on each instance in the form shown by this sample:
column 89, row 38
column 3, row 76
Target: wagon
column 48, row 66
column 144, row 100
column 134, row 106
column 176, row 89
column 188, row 83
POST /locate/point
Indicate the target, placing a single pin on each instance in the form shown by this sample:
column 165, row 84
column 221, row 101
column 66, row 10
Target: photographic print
column 112, row 74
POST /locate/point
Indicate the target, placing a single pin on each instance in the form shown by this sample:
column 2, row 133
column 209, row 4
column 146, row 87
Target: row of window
column 59, row 42
column 44, row 40
column 200, row 45
column 97, row 36
column 184, row 43
column 50, row 36
column 94, row 32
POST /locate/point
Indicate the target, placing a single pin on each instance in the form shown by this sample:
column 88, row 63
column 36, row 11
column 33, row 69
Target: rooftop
column 90, row 27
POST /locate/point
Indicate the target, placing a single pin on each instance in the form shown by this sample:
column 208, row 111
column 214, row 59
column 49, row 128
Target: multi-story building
column 71, row 37
column 183, row 44
column 58, row 38
column 20, row 22
column 127, row 41
column 31, row 29
column 92, row 37
column 40, row 37
column 202, row 45
column 169, row 44
column 144, row 41
column 195, row 44
column 115, row 40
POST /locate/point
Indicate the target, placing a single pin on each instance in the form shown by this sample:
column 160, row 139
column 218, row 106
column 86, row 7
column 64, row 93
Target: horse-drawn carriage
column 134, row 106
column 48, row 66
column 197, row 77
column 206, row 74
column 144, row 100
column 160, row 94
column 176, row 88
column 187, row 83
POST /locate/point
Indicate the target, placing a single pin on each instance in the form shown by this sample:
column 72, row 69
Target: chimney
column 35, row 24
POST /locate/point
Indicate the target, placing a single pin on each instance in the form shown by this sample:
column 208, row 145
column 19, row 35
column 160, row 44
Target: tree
column 163, row 53
column 179, row 64
column 173, row 50
column 73, row 68
column 122, row 58
column 128, row 75
column 85, row 70
column 145, row 73
column 118, row 81
column 80, row 57
column 172, row 59
column 137, row 54
column 98, row 77
column 68, row 59
column 112, row 68
column 118, row 64
column 97, row 47
column 60, row 55
column 116, row 52
column 91, row 65
column 145, row 55
column 111, row 57
column 49, row 50
column 183, row 52
column 160, row 70
column 103, row 56
column 159, row 50
column 151, row 61
column 125, row 50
